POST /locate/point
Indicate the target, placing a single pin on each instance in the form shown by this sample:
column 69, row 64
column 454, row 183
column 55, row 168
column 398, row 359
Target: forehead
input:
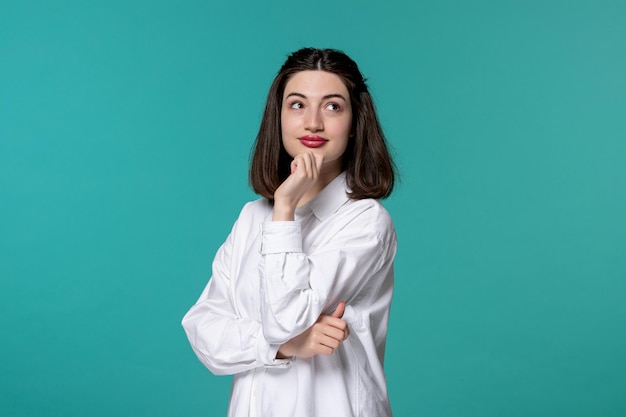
column 315, row 83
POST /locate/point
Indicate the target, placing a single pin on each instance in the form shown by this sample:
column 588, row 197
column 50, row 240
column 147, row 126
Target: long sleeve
column 354, row 264
column 223, row 339
column 272, row 280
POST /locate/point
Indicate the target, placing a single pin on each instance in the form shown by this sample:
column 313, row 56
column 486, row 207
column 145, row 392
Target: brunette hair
column 370, row 171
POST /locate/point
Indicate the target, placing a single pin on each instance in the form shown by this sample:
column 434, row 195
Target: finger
column 341, row 308
column 329, row 342
column 309, row 165
column 319, row 160
column 341, row 333
column 298, row 164
column 315, row 165
column 320, row 344
column 322, row 350
column 337, row 334
column 332, row 321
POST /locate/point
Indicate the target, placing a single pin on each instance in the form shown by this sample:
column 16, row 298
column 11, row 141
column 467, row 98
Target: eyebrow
column 326, row 97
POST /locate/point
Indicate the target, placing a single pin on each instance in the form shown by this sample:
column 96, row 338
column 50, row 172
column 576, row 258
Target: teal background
column 125, row 130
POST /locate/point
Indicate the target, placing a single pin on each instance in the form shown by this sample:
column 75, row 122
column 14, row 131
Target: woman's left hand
column 322, row 338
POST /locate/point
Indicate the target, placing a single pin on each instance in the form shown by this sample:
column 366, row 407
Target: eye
column 333, row 107
column 297, row 105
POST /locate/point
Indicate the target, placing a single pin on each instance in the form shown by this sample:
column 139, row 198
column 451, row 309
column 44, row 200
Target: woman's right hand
column 305, row 169
column 320, row 339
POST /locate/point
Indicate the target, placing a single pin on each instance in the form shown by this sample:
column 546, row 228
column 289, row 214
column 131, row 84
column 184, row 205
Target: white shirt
column 272, row 280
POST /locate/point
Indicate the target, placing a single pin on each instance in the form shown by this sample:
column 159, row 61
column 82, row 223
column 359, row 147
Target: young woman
column 298, row 303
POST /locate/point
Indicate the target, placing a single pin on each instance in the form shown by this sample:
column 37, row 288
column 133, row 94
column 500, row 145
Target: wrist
column 283, row 212
column 283, row 352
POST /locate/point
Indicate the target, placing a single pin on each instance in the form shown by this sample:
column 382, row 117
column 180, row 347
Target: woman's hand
column 320, row 339
column 305, row 169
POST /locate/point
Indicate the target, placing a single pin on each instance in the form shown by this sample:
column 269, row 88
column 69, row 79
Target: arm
column 223, row 340
column 353, row 264
column 320, row 339
column 296, row 288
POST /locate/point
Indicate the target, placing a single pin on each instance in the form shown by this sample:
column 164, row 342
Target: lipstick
column 313, row 141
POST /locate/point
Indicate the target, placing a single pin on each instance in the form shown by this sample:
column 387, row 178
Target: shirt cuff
column 267, row 354
column 281, row 237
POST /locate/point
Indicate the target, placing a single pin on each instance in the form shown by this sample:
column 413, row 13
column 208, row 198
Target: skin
column 315, row 103
column 322, row 338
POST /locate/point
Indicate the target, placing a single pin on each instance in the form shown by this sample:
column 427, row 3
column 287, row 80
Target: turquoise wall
column 125, row 130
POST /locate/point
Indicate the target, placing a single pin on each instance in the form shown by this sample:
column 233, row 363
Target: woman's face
column 316, row 116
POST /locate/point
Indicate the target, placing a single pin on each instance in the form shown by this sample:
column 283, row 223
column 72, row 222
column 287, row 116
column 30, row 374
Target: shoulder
column 372, row 216
column 252, row 214
column 257, row 207
column 372, row 210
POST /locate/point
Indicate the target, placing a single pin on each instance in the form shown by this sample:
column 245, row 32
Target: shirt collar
column 333, row 196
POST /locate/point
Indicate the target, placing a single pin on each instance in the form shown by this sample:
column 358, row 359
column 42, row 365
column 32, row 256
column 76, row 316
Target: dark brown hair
column 370, row 171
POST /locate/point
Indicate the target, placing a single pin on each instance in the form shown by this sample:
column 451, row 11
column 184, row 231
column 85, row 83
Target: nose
column 313, row 121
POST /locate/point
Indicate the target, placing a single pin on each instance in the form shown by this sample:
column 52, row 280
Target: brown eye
column 333, row 107
column 296, row 105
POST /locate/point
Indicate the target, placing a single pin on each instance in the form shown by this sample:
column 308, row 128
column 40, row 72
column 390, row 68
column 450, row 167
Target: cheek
column 286, row 124
column 347, row 122
column 344, row 128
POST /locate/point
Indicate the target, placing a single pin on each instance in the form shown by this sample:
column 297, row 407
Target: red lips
column 313, row 141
